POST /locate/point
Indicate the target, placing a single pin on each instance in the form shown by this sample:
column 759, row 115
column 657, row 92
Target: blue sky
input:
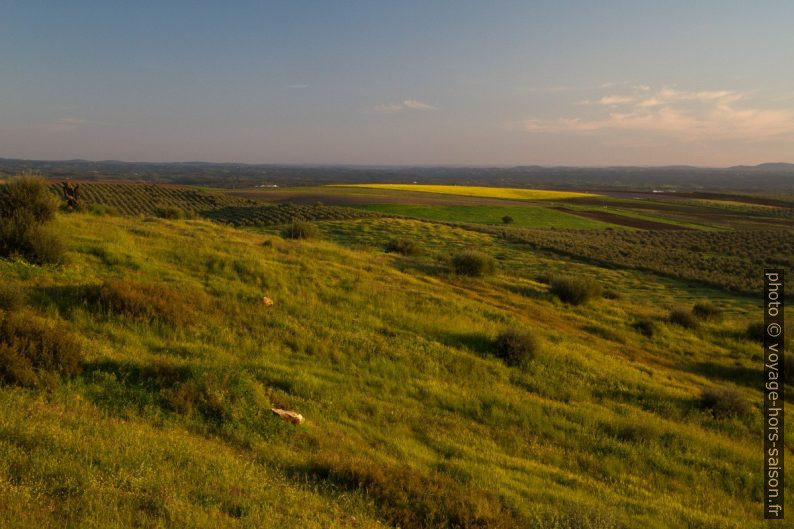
column 398, row 82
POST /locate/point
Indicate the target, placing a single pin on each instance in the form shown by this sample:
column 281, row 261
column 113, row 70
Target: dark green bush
column 12, row 297
column 682, row 318
column 403, row 246
column 755, row 331
column 575, row 290
column 300, row 229
column 507, row 219
column 26, row 207
column 706, row 311
column 516, row 347
column 645, row 326
column 32, row 349
column 724, row 403
column 473, row 263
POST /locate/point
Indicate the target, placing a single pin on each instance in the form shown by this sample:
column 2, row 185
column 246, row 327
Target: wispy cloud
column 401, row 106
column 688, row 115
column 65, row 124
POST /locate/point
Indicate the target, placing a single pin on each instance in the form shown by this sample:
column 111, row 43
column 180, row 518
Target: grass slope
column 411, row 420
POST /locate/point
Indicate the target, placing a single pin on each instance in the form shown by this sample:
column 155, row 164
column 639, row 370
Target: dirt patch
column 621, row 220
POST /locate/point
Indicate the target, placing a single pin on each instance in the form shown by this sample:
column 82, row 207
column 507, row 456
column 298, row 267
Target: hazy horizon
column 408, row 84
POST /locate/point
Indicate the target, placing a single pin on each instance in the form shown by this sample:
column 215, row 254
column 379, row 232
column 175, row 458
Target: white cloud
column 687, row 115
column 65, row 124
column 407, row 104
column 417, row 105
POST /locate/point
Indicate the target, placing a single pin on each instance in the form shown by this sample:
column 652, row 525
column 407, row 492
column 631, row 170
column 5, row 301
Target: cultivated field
column 477, row 191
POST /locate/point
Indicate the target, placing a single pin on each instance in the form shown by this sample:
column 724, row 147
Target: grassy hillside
column 153, row 364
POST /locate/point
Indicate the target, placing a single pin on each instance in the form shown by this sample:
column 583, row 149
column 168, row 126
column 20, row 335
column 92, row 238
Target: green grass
column 523, row 216
column 412, row 420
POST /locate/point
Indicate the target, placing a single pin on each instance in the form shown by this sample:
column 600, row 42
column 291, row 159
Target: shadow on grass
column 745, row 376
column 477, row 343
column 423, row 266
column 529, row 292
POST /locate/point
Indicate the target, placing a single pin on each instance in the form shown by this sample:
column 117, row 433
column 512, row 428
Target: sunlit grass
column 392, row 359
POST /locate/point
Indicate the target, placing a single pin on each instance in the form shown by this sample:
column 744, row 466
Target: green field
column 523, row 216
column 152, row 406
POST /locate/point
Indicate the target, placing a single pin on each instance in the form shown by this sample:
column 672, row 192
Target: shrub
column 413, row 499
column 706, row 311
column 682, row 318
column 403, row 246
column 148, row 302
column 755, row 331
column 473, row 263
column 575, row 290
column 102, row 210
column 516, row 347
column 507, row 219
column 12, row 297
column 32, row 348
column 300, row 229
column 645, row 326
column 724, row 403
column 26, row 207
column 169, row 212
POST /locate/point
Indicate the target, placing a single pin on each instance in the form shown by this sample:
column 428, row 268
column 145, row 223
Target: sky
column 407, row 82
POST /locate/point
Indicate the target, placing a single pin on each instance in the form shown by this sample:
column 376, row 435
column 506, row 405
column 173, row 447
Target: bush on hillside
column 411, row 498
column 26, row 209
column 473, row 263
column 706, row 311
column 403, row 246
column 755, row 331
column 682, row 318
column 300, row 229
column 507, row 219
column 12, row 297
column 31, row 349
column 102, row 210
column 169, row 212
column 516, row 347
column 724, row 403
column 575, row 290
column 645, row 326
column 148, row 302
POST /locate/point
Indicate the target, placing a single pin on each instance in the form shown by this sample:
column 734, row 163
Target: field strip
column 475, row 191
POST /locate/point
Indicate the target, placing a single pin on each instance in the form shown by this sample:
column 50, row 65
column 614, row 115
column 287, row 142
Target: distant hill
column 767, row 177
